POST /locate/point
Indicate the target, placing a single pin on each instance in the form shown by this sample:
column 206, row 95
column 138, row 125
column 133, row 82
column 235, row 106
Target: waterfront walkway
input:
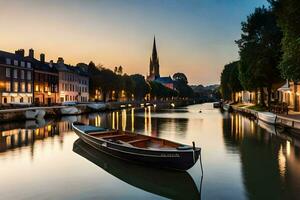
column 290, row 120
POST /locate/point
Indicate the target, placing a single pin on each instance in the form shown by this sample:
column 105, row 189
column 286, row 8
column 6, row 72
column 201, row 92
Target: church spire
column 154, row 63
column 154, row 52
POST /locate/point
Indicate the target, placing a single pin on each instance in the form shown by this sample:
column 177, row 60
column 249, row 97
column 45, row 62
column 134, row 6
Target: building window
column 29, row 75
column 7, row 72
column 16, row 86
column 21, row 100
column 15, row 73
column 36, row 88
column 29, row 88
column 22, row 64
column 12, row 99
column 16, row 62
column 8, row 61
column 28, row 65
column 7, row 86
column 5, row 100
column 23, row 87
column 22, row 74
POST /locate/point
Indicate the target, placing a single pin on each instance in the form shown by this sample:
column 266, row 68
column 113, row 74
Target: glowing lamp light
column 129, row 105
column 154, row 105
column 173, row 105
column 123, row 106
column 142, row 105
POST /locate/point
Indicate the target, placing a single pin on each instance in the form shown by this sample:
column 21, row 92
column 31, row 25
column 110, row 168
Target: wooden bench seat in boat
column 142, row 143
column 116, row 136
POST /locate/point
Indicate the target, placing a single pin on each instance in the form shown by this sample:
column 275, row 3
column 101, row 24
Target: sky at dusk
column 195, row 37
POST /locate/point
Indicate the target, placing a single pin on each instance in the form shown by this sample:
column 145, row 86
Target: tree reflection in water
column 270, row 162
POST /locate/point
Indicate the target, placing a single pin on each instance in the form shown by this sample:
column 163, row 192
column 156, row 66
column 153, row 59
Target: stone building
column 45, row 80
column 73, row 83
column 16, row 78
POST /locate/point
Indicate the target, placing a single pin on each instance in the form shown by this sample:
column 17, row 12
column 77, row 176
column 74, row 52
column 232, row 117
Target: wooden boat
column 31, row 114
column 267, row 117
column 69, row 110
column 139, row 148
column 97, row 106
column 170, row 184
column 35, row 114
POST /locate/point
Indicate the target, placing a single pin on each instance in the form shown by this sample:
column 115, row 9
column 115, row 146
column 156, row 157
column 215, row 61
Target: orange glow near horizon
column 114, row 33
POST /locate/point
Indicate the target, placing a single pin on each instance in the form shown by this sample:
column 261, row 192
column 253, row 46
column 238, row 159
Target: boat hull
column 70, row 110
column 97, row 106
column 166, row 183
column 267, row 117
column 176, row 160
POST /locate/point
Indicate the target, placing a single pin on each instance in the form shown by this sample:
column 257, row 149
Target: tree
column 141, row 87
column 260, row 52
column 180, row 77
column 288, row 12
column 230, row 82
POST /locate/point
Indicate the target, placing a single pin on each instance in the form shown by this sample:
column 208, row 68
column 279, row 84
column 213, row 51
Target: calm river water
column 242, row 159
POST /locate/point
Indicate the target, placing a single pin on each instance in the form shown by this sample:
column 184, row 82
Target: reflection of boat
column 268, row 127
column 97, row 106
column 139, row 148
column 267, row 117
column 69, row 110
column 227, row 107
column 71, row 119
column 165, row 183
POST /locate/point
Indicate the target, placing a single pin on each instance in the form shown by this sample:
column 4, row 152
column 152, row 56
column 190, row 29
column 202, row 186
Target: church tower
column 154, row 63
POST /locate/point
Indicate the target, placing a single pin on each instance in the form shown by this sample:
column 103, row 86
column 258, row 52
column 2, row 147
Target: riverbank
column 19, row 114
column 286, row 121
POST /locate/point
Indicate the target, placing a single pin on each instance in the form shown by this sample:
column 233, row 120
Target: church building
column 154, row 74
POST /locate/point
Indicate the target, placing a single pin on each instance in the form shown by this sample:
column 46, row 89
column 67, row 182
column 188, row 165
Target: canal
column 242, row 158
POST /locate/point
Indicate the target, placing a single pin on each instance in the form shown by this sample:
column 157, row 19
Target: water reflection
column 166, row 183
column 270, row 162
column 243, row 159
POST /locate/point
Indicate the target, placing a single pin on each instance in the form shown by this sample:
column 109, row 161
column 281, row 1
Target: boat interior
column 135, row 140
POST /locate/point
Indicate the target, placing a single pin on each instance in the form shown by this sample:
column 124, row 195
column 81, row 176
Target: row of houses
column 287, row 93
column 27, row 80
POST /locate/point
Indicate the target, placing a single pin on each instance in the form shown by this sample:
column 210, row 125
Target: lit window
column 28, row 75
column 23, row 87
column 8, row 61
column 29, row 89
column 36, row 88
column 7, row 72
column 16, row 62
column 22, row 64
column 16, row 86
column 15, row 73
column 22, row 74
column 28, row 65
column 7, row 86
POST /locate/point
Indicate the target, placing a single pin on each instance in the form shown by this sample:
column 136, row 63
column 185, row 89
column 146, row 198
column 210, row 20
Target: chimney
column 42, row 57
column 60, row 60
column 20, row 52
column 51, row 64
column 31, row 53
